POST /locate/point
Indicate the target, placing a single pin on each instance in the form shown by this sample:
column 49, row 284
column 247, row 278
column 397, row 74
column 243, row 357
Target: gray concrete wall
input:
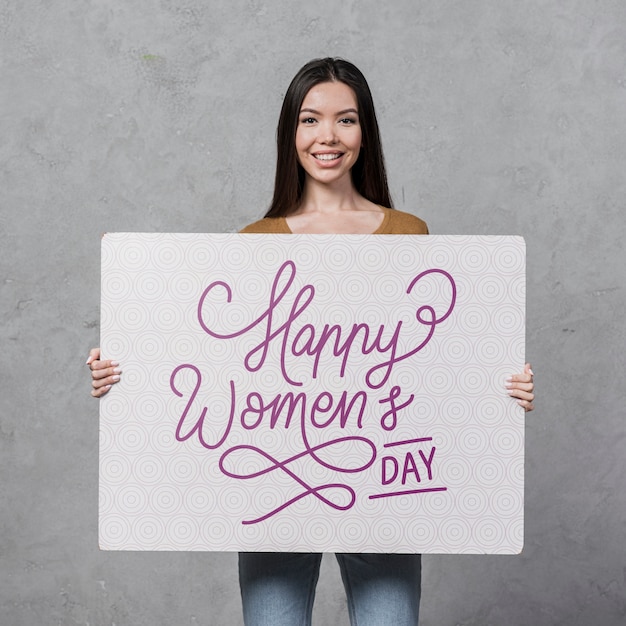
column 498, row 117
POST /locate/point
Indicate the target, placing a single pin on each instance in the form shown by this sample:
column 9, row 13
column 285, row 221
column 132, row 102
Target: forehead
column 331, row 95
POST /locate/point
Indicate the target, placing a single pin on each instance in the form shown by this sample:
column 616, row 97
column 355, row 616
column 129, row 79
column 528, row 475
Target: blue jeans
column 278, row 588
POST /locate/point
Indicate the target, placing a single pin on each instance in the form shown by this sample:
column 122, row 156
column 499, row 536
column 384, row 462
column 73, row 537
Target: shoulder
column 267, row 225
column 401, row 223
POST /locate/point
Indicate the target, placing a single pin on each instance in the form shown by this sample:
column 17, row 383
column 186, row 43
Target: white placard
column 326, row 393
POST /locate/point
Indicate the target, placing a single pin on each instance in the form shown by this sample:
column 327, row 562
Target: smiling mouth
column 328, row 157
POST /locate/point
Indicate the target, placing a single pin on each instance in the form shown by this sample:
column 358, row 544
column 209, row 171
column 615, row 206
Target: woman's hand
column 103, row 373
column 522, row 387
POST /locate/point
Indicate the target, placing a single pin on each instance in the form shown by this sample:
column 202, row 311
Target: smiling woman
column 330, row 178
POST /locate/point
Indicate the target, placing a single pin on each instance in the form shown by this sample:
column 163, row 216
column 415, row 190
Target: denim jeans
column 278, row 588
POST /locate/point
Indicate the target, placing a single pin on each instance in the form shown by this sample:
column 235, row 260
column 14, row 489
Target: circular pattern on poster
column 387, row 531
column 473, row 381
column 133, row 316
column 357, row 290
column 474, row 258
column 472, row 501
column 337, row 258
column 132, row 499
column 182, row 531
column 406, row 257
column 151, row 348
column 510, row 258
column 507, row 502
column 115, row 469
column 353, row 533
column 114, row 531
column 441, row 257
column 149, row 468
column 422, row 532
column 151, row 288
column 200, row 256
column 135, row 376
column 216, row 532
column 169, row 255
column 184, row 347
column 489, row 471
column 167, row 317
column 166, row 499
column 508, row 319
column 132, row 439
column 455, row 471
column 183, row 470
column 489, row 411
column 117, row 346
column 200, row 500
column 490, row 350
column 456, row 530
column 440, row 380
column 515, row 533
column 148, row 530
column 106, row 498
column 491, row 289
column 457, row 349
column 306, row 258
column 116, row 285
column 133, row 255
column 489, row 533
column 472, row 441
column 371, row 259
column 234, row 500
column 456, row 410
column 186, row 288
column 474, row 321
column 438, row 504
column 285, row 532
column 320, row 528
column 388, row 287
column 507, row 441
column 150, row 408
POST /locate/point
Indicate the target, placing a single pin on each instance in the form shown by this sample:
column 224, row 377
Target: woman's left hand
column 522, row 387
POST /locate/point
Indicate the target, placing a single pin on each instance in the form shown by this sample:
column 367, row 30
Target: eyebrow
column 338, row 112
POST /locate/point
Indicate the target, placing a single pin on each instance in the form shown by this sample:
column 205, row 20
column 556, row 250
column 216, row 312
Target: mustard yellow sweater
column 394, row 223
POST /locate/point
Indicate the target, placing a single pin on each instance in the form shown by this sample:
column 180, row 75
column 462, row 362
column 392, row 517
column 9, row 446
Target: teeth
column 327, row 157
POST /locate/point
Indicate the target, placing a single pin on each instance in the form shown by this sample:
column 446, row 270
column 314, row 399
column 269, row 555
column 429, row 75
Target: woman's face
column 328, row 134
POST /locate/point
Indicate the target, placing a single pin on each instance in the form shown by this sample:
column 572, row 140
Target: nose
column 327, row 133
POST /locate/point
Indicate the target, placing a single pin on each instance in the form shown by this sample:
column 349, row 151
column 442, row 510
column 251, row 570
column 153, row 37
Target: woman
column 330, row 178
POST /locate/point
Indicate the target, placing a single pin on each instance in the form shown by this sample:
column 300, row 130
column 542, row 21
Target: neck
column 341, row 196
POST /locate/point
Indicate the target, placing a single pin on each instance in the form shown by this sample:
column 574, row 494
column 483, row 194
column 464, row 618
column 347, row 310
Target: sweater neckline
column 381, row 228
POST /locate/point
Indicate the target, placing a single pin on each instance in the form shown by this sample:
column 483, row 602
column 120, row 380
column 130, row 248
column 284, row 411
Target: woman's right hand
column 103, row 373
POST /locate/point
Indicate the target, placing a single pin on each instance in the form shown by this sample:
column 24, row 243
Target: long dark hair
column 368, row 173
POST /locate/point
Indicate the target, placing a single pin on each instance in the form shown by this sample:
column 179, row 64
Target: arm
column 103, row 373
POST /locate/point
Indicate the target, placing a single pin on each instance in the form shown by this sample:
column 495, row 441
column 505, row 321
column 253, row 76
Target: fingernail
column 117, row 370
column 508, row 385
column 114, row 363
column 88, row 361
column 509, row 379
column 115, row 378
column 520, row 403
column 531, row 372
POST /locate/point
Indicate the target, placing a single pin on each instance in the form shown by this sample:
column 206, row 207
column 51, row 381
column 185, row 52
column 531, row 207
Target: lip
column 329, row 162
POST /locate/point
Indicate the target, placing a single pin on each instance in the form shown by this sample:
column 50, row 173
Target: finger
column 98, row 374
column 523, row 386
column 528, row 369
column 98, row 383
column 520, row 394
column 94, row 355
column 98, row 393
column 527, row 406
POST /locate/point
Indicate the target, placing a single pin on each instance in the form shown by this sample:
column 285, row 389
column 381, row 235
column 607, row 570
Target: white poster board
column 325, row 393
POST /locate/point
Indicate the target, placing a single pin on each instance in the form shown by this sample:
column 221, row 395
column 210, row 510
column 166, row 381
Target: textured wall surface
column 498, row 117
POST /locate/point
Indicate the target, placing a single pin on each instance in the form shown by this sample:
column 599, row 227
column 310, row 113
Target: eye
column 349, row 120
column 307, row 120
